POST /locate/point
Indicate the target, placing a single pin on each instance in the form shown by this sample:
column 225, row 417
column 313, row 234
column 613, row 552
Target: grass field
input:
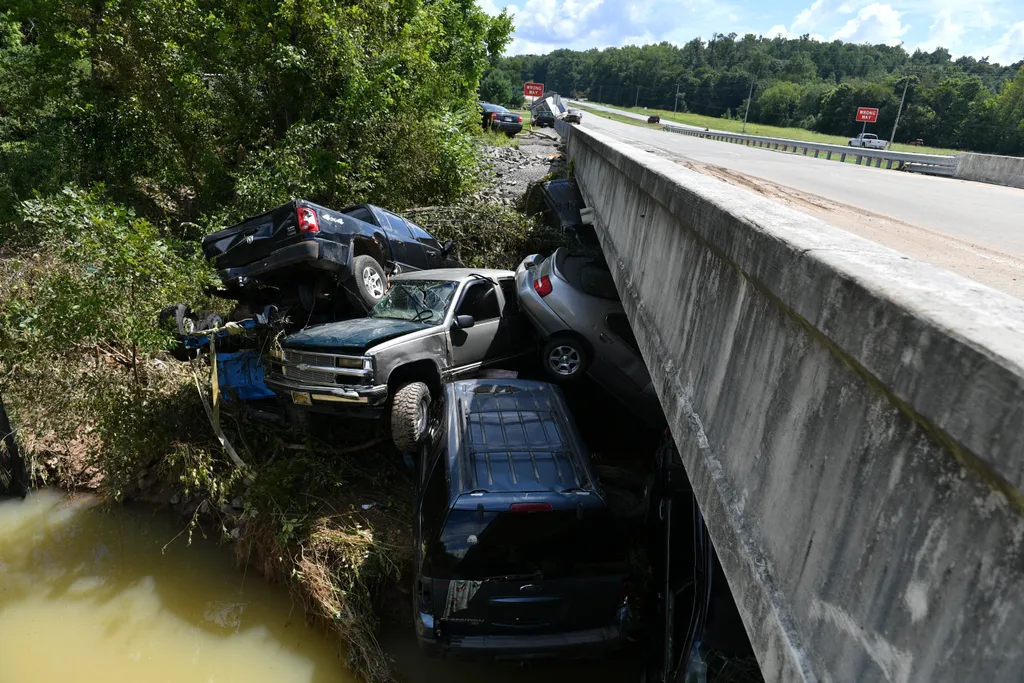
column 734, row 126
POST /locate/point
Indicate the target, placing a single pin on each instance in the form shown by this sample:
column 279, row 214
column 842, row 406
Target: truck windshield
column 422, row 301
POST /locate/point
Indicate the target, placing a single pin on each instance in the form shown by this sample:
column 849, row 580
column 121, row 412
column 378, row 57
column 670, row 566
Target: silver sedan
column 572, row 302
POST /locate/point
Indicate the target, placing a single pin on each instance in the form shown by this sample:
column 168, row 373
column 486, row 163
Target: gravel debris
column 506, row 172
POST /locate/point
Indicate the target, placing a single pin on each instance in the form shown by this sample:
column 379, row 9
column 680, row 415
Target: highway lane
column 989, row 216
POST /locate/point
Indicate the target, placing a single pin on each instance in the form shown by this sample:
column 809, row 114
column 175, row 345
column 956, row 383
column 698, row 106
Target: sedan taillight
column 542, row 285
column 520, row 119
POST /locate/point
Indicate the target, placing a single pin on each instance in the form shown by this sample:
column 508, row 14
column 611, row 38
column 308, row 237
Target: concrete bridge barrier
column 852, row 422
column 990, row 168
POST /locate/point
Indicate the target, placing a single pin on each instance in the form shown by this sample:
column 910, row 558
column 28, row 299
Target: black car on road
column 318, row 260
column 498, row 118
column 517, row 554
column 543, row 119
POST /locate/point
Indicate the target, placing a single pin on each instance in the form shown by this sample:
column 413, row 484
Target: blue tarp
column 240, row 375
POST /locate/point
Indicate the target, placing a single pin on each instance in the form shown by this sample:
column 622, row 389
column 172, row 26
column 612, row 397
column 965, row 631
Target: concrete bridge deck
column 852, row 422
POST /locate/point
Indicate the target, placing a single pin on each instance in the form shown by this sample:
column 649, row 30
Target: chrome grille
column 321, row 359
column 311, row 376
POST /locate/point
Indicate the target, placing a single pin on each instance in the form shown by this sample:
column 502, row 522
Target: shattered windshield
column 421, row 301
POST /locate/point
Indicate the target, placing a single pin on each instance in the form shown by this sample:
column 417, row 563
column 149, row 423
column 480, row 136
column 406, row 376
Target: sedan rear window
column 549, row 545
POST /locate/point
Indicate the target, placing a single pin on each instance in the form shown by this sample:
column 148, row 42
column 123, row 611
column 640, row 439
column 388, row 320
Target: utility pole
column 747, row 109
column 636, row 102
column 675, row 103
column 892, row 138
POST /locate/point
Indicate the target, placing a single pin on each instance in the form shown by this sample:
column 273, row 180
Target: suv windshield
column 549, row 545
column 422, row 301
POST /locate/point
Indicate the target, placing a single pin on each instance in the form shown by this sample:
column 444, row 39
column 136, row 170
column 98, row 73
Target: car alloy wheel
column 565, row 360
column 374, row 285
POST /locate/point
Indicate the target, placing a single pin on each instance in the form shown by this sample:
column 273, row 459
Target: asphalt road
column 990, row 216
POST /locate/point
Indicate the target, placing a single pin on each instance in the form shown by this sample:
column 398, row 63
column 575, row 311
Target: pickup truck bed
column 304, row 254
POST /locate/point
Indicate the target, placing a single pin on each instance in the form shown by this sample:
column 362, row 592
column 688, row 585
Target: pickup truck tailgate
column 254, row 238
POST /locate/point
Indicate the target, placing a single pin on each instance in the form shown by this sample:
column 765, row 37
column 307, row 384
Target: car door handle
column 605, row 339
column 432, row 252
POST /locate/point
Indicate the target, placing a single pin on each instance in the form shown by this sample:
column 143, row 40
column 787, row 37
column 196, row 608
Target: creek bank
column 326, row 512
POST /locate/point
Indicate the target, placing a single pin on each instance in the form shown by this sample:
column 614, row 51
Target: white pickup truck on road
column 869, row 140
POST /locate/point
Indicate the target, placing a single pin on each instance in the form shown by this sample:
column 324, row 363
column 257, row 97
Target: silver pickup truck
column 431, row 327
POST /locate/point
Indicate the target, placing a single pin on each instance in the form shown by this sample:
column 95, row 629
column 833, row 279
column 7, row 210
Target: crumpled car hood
column 361, row 333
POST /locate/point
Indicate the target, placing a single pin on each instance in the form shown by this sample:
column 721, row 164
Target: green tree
column 184, row 108
column 496, row 88
column 779, row 103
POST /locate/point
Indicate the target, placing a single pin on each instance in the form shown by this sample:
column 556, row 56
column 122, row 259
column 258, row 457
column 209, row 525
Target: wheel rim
column 422, row 420
column 374, row 283
column 564, row 360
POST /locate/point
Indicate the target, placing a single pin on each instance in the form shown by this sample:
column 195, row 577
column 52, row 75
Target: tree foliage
column 186, row 107
column 966, row 103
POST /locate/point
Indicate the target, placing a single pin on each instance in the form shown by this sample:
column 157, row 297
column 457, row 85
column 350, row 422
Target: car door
column 516, row 329
column 474, row 346
column 413, row 254
column 431, row 249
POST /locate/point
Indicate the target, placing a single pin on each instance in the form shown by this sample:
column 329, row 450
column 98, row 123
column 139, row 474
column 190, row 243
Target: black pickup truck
column 323, row 262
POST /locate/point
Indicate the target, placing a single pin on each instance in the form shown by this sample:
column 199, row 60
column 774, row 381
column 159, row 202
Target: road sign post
column 867, row 115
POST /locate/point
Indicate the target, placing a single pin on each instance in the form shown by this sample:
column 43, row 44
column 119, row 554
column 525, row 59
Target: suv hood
column 359, row 333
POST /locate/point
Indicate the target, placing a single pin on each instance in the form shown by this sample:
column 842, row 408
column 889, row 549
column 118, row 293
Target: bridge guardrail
column 933, row 164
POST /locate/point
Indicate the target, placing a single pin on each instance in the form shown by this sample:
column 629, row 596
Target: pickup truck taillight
column 307, row 220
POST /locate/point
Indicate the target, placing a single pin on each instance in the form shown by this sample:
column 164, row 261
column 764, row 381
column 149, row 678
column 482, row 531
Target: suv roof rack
column 516, row 437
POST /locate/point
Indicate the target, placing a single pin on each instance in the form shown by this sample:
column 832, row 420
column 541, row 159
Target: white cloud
column 945, row 32
column 564, row 19
column 874, row 24
column 807, row 18
column 1009, row 49
column 518, row 46
column 489, row 7
column 778, row 30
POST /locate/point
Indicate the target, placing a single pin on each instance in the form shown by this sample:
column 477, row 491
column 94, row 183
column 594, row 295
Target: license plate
column 302, row 398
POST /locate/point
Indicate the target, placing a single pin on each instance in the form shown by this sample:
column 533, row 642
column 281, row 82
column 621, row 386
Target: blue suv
column 517, row 552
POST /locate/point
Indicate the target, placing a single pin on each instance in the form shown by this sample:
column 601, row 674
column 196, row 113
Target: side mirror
column 447, row 247
column 464, row 322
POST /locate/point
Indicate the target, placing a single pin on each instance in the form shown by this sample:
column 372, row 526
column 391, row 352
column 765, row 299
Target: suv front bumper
column 333, row 397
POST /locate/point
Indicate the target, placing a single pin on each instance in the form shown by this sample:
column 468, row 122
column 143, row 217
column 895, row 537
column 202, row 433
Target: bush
column 81, row 284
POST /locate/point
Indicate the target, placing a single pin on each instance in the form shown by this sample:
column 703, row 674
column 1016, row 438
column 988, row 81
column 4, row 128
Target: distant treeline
column 964, row 103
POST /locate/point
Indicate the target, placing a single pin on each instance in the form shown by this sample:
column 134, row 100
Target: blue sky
column 975, row 27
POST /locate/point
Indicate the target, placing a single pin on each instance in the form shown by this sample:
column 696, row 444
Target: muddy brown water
column 98, row 594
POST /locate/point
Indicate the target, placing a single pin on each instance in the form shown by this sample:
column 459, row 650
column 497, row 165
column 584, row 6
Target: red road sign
column 533, row 89
column 867, row 114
